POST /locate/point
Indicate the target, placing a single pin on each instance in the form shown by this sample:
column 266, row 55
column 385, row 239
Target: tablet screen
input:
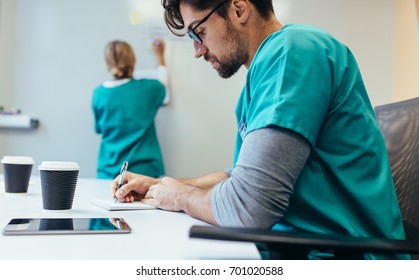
column 41, row 226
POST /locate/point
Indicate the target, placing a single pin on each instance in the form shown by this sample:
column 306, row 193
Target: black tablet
column 42, row 226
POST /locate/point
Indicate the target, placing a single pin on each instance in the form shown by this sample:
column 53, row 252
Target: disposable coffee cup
column 17, row 172
column 58, row 184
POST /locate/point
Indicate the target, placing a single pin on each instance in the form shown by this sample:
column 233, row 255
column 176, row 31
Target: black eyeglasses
column 192, row 33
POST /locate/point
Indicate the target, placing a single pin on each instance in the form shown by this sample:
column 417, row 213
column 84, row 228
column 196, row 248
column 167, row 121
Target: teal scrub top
column 124, row 116
column 303, row 79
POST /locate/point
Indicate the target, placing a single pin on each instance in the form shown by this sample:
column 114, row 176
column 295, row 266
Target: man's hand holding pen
column 133, row 187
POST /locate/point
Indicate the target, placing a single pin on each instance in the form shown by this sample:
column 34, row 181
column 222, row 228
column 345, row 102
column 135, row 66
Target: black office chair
column 399, row 123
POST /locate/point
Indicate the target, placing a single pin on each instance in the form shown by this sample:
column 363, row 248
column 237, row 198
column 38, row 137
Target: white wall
column 366, row 26
column 7, row 13
column 54, row 53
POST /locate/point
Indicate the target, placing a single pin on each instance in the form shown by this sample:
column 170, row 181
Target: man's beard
column 229, row 64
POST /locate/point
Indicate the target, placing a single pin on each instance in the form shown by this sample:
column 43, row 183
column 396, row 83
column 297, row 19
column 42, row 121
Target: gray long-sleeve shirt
column 258, row 190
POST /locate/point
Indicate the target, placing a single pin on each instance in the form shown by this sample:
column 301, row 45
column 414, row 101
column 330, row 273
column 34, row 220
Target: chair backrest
column 399, row 124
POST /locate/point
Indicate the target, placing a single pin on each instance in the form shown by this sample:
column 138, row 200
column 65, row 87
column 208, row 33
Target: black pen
column 124, row 168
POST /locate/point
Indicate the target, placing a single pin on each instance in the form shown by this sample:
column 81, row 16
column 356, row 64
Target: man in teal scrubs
column 309, row 153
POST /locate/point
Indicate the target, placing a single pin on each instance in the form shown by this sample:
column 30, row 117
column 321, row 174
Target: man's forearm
column 196, row 202
column 206, row 182
column 196, row 197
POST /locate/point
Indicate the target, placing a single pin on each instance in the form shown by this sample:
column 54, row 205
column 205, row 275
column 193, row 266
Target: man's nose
column 200, row 50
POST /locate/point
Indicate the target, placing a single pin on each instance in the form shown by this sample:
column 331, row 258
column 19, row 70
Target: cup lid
column 59, row 165
column 17, row 160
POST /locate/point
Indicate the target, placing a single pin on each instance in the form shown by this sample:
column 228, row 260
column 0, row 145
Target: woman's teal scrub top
column 124, row 115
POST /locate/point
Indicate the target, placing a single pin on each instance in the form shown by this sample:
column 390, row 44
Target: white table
column 156, row 234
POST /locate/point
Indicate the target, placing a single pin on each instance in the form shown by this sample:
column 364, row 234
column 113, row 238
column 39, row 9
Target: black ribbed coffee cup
column 17, row 172
column 58, row 185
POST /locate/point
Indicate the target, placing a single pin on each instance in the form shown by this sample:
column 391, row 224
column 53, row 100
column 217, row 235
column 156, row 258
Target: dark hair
column 174, row 20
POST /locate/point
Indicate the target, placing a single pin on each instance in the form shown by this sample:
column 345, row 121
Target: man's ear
column 241, row 10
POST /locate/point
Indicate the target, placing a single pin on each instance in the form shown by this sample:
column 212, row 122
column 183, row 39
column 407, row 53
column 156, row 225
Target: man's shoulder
column 301, row 34
column 301, row 29
column 300, row 39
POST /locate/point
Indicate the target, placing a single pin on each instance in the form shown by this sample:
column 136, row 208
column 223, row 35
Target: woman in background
column 124, row 110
